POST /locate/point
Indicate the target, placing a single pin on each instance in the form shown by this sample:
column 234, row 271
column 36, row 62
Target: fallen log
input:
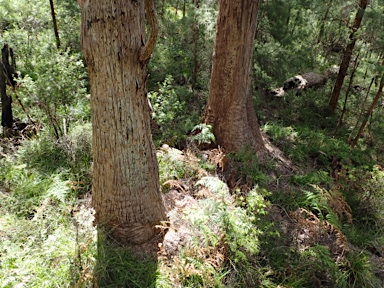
column 304, row 81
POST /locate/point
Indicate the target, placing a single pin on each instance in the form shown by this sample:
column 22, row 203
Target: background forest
column 235, row 221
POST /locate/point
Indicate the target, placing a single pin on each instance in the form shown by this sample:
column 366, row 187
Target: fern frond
column 59, row 189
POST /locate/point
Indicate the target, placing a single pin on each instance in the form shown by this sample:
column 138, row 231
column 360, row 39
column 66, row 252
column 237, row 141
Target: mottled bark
column 230, row 107
column 347, row 56
column 125, row 189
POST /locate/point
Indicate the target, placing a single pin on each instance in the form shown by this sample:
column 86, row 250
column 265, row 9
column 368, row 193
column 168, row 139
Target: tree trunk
column 125, row 191
column 351, row 79
column 6, row 77
column 369, row 112
column 347, row 56
column 195, row 37
column 56, row 31
column 230, row 106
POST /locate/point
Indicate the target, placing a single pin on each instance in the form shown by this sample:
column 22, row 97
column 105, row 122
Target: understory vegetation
column 236, row 219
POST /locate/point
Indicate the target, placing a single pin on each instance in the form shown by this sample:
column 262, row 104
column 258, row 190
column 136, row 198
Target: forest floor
column 300, row 229
column 216, row 204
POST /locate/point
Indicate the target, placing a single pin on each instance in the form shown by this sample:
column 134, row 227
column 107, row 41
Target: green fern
column 205, row 134
column 319, row 203
column 59, row 189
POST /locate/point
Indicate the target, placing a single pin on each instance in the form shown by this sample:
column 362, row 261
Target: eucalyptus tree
column 347, row 55
column 230, row 106
column 126, row 190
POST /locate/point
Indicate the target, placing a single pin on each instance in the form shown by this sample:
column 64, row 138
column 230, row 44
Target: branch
column 147, row 50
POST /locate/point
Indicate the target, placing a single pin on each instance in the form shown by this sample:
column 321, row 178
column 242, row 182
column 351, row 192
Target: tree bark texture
column 230, row 106
column 6, row 77
column 347, row 56
column 125, row 191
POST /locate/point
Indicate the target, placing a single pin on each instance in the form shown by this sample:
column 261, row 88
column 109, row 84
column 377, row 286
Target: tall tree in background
column 230, row 107
column 375, row 101
column 7, row 71
column 125, row 191
column 54, row 24
column 347, row 55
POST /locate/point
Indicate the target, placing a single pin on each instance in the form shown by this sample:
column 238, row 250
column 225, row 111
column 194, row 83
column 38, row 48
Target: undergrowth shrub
column 46, row 241
column 248, row 166
column 363, row 188
column 317, row 147
column 226, row 235
column 69, row 156
column 359, row 271
column 176, row 165
column 28, row 188
column 48, row 238
column 169, row 103
column 49, row 250
column 328, row 205
column 203, row 134
column 317, row 268
column 54, row 87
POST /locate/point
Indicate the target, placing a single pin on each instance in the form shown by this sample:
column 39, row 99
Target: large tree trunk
column 347, row 56
column 230, row 107
column 125, row 191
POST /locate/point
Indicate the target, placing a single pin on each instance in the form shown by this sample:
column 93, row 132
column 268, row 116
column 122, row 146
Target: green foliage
column 280, row 47
column 56, row 86
column 326, row 205
column 43, row 168
column 204, row 135
column 51, row 83
column 249, row 167
column 185, row 43
column 43, row 154
column 360, row 271
column 41, row 246
column 315, row 177
column 363, row 191
column 238, row 224
column 301, row 144
column 59, row 189
column 322, row 266
column 119, row 267
column 70, row 157
column 47, row 237
column 28, row 188
column 173, row 165
column 225, row 237
column 68, row 22
column 169, row 104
